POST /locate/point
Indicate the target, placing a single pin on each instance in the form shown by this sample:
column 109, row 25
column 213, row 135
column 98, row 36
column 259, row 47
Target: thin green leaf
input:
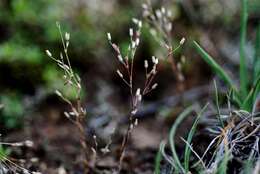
column 257, row 54
column 243, row 68
column 216, row 67
column 217, row 104
column 189, row 139
column 251, row 97
column 158, row 160
column 177, row 122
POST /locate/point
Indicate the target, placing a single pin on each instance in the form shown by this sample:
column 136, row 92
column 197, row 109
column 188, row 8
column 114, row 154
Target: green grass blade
column 177, row 122
column 189, row 139
column 216, row 68
column 223, row 166
column 257, row 54
column 243, row 69
column 217, row 104
column 158, row 160
column 251, row 97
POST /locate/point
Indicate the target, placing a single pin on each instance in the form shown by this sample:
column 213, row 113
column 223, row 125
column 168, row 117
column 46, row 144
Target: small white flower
column 120, row 58
column 145, row 63
column 138, row 92
column 109, row 36
column 131, row 32
column 58, row 93
column 155, row 60
column 48, row 53
column 133, row 44
column 131, row 126
column 119, row 73
column 139, row 98
column 67, row 36
column 136, row 122
column 158, row 14
column 137, row 41
column 182, row 41
column 169, row 26
column 28, row 143
column 140, row 24
column 67, row 114
column 135, row 20
column 163, row 10
column 154, row 86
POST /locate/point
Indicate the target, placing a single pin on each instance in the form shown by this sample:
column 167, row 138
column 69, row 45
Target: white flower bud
column 28, row 143
column 109, row 36
column 58, row 93
column 139, row 98
column 153, row 59
column 48, row 53
column 135, row 20
column 133, row 44
column 138, row 92
column 131, row 32
column 158, row 14
column 137, row 41
column 169, row 26
column 131, row 127
column 67, row 36
column 145, row 63
column 119, row 73
column 67, row 114
column 163, row 10
column 120, row 58
column 136, row 122
column 182, row 41
column 140, row 24
column 154, row 86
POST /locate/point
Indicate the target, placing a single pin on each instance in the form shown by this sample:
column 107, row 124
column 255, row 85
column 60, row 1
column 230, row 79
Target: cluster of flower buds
column 159, row 21
column 160, row 24
column 127, row 62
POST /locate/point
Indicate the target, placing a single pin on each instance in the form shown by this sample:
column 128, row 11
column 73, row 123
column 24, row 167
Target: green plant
column 245, row 95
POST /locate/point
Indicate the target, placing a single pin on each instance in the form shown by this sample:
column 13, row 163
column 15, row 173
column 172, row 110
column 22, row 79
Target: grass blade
column 257, row 54
column 177, row 122
column 243, row 69
column 189, row 139
column 217, row 104
column 251, row 97
column 158, row 160
column 214, row 65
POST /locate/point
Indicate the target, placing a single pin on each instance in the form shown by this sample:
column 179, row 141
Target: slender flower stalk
column 127, row 66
